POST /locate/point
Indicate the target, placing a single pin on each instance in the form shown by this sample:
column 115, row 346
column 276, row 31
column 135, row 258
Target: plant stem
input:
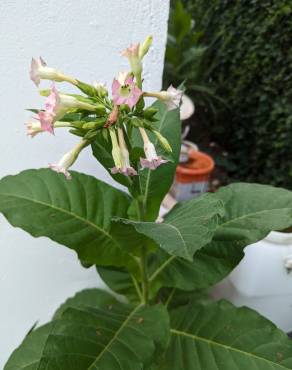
column 136, row 285
column 144, row 271
column 170, row 297
column 161, row 268
column 143, row 260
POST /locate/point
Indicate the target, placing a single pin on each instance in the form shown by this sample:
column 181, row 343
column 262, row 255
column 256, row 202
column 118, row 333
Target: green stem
column 139, row 80
column 143, row 260
column 136, row 285
column 145, row 280
column 161, row 268
column 170, row 297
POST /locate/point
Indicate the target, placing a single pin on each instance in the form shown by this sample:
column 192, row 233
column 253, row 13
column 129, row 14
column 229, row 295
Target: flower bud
column 116, row 152
column 150, row 112
column 100, row 88
column 144, row 47
column 163, row 141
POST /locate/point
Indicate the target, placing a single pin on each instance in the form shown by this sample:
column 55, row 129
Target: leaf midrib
column 106, row 348
column 170, row 259
column 62, row 210
column 212, row 343
column 187, row 254
column 251, row 214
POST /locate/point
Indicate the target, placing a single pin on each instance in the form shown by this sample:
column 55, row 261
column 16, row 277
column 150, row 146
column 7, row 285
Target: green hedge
column 250, row 63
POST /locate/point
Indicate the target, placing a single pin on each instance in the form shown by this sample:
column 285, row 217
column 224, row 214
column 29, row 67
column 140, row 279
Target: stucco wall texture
column 84, row 39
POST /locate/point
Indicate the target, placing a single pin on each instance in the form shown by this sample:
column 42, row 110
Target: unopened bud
column 150, row 112
column 144, row 47
column 163, row 141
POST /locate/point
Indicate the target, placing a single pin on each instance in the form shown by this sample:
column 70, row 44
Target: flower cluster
column 95, row 113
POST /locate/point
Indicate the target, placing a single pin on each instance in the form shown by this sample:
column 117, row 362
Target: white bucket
column 262, row 280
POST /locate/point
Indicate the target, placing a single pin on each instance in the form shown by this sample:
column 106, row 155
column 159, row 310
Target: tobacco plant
column 156, row 314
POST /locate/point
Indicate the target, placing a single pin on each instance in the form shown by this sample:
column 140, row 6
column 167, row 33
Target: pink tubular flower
column 39, row 71
column 58, row 104
column 152, row 160
column 35, row 127
column 171, row 97
column 68, row 160
column 46, row 121
column 132, row 53
column 121, row 155
column 125, row 91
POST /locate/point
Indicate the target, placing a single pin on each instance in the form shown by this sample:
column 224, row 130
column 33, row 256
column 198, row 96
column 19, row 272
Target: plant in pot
column 157, row 314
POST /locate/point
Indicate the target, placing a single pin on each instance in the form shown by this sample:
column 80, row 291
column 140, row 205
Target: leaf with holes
column 118, row 337
column 74, row 213
column 186, row 228
column 251, row 212
column 218, row 336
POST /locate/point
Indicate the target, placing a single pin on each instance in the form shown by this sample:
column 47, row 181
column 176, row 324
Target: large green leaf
column 29, row 353
column 251, row 212
column 74, row 213
column 186, row 228
column 218, row 336
column 86, row 298
column 117, row 337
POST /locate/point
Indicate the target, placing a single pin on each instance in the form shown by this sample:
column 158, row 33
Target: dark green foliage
column 185, row 60
column 249, row 62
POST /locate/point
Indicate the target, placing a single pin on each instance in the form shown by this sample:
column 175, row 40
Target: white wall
column 81, row 38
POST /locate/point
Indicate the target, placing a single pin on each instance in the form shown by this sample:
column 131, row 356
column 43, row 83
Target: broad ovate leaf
column 86, row 298
column 251, row 212
column 218, row 336
column 74, row 213
column 118, row 337
column 186, row 228
column 28, row 355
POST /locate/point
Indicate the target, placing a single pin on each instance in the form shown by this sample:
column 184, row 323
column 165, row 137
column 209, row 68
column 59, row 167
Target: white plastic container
column 262, row 280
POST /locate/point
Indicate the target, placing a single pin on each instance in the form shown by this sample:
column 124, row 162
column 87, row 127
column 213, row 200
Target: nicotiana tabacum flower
column 56, row 106
column 68, row 159
column 40, row 71
column 121, row 154
column 135, row 54
column 112, row 124
column 125, row 91
column 34, row 126
column 152, row 160
column 171, row 97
